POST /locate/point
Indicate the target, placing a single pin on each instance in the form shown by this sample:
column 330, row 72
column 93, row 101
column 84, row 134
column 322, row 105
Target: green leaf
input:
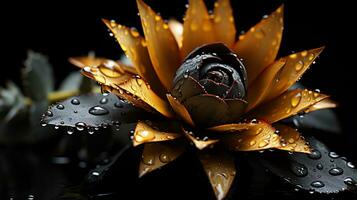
column 11, row 102
column 38, row 76
column 76, row 81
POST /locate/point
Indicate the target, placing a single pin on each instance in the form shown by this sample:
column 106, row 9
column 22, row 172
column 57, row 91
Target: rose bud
column 212, row 85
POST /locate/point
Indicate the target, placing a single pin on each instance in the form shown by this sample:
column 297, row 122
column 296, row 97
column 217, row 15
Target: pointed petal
column 156, row 155
column 135, row 48
column 253, row 139
column 197, row 27
column 259, row 88
column 223, row 22
column 180, row 110
column 288, row 104
column 260, row 45
column 83, row 61
column 220, row 170
column 138, row 88
column 295, row 67
column 176, row 28
column 162, row 46
column 200, row 144
column 291, row 140
column 324, row 104
column 144, row 134
column 253, row 127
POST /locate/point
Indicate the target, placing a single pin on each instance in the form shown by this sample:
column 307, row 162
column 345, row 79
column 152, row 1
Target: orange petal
column 253, row 139
column 197, row 27
column 176, row 28
column 291, row 140
column 254, row 127
column 260, row 87
column 83, row 61
column 288, row 104
column 324, row 104
column 220, row 170
column 161, row 43
column 260, row 45
column 199, row 143
column 156, row 155
column 223, row 22
column 295, row 67
column 134, row 47
column 144, row 134
column 180, row 109
column 137, row 87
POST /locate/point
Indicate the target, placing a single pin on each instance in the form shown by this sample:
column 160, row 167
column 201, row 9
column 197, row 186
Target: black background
column 62, row 29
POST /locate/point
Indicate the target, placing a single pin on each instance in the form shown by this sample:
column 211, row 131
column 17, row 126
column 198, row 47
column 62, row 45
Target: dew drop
column 315, row 154
column 60, row 107
column 56, row 127
column 263, row 143
column 98, row 110
column 134, row 32
column 319, row 166
column 296, row 100
column 335, row 171
column 350, row 181
column 299, row 170
column 164, row 158
column 80, row 126
column 118, row 105
column 44, row 124
column 49, row 113
column 252, row 143
column 350, row 165
column 299, row 65
column 317, row 184
column 148, row 159
column 75, row 101
column 333, row 154
column 103, row 101
column 95, row 173
column 70, row 131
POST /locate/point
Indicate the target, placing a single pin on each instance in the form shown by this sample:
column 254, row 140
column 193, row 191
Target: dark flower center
column 218, row 74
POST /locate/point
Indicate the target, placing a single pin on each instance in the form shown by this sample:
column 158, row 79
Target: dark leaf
column 86, row 85
column 11, row 101
column 323, row 171
column 36, row 111
column 92, row 111
column 71, row 82
column 38, row 76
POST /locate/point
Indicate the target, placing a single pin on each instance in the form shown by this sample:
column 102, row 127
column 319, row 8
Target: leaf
column 11, row 101
column 71, row 82
column 323, row 171
column 92, row 111
column 38, row 76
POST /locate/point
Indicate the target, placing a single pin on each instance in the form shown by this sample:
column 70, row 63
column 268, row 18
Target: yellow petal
column 138, row 88
column 162, row 46
column 197, row 27
column 253, row 139
column 254, row 127
column 156, row 155
column 199, row 143
column 180, row 110
column 259, row 46
column 83, row 61
column 259, row 88
column 324, row 104
column 291, row 140
column 290, row 103
column 176, row 28
column 144, row 134
column 295, row 67
column 220, row 170
column 135, row 48
column 223, row 22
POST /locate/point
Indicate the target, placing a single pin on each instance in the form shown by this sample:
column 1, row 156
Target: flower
column 191, row 74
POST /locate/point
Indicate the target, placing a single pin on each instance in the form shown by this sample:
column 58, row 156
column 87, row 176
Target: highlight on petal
column 83, row 61
column 254, row 127
column 295, row 67
column 259, row 88
column 135, row 48
column 163, row 49
column 220, row 170
column 199, row 143
column 324, row 104
column 156, row 155
column 180, row 109
column 197, row 27
column 138, row 88
column 253, row 139
column 291, row 140
column 223, row 22
column 144, row 134
column 288, row 104
column 260, row 45
column 176, row 28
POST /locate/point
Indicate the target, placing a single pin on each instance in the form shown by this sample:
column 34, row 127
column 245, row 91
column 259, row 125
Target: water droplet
column 70, row 131
column 333, row 154
column 75, row 101
column 98, row 110
column 317, row 184
column 44, row 124
column 144, row 136
column 350, row 181
column 118, row 105
column 60, row 106
column 147, row 159
column 335, row 171
column 252, row 143
column 315, row 154
column 95, row 173
column 350, row 165
column 49, row 113
column 296, row 100
column 263, row 143
column 319, row 166
column 299, row 170
column 103, row 101
column 56, row 127
column 80, row 126
column 164, row 158
column 311, row 56
column 134, row 32
column 299, row 65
